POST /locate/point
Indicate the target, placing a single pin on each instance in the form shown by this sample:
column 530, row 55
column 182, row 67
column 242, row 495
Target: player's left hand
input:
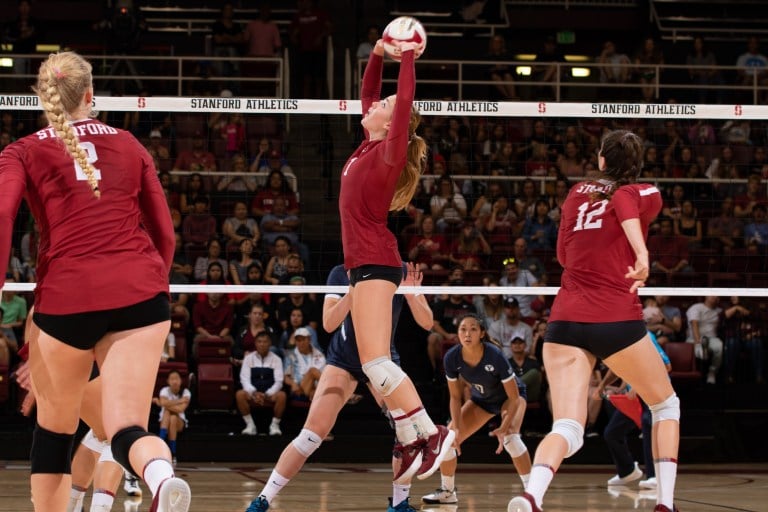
column 413, row 276
column 638, row 273
column 499, row 434
column 405, row 46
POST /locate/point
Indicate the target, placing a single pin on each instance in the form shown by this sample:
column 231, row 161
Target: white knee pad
column 573, row 433
column 384, row 375
column 307, row 442
column 514, row 445
column 92, row 442
column 669, row 409
column 106, row 455
column 450, row 455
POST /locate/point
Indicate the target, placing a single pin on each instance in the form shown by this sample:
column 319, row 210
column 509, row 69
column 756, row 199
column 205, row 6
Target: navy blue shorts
column 381, row 272
column 602, row 340
column 494, row 405
column 84, row 330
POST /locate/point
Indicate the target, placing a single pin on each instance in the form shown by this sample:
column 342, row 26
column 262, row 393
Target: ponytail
column 414, row 165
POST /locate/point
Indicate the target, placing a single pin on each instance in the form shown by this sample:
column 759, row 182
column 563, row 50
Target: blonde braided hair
column 62, row 81
column 414, row 166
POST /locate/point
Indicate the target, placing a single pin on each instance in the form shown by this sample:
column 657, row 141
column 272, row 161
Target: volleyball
column 404, row 29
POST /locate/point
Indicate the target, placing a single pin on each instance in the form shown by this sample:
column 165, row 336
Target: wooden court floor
column 482, row 488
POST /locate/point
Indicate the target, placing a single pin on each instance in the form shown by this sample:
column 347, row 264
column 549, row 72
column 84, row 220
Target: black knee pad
column 51, row 452
column 121, row 445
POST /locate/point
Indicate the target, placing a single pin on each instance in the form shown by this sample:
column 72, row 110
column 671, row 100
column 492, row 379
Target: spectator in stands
column 262, row 34
column 666, row 322
column 756, row 232
column 689, row 225
column 276, row 189
column 231, row 129
column 212, row 318
column 538, row 163
column 159, row 151
column 199, row 227
column 197, row 159
column 308, row 306
column 501, row 73
column 427, row 249
column 309, row 32
column 754, row 195
column 704, row 73
column 511, row 326
column 571, row 162
column 195, row 187
column 503, row 160
column 537, row 346
column 23, row 33
column 758, row 165
column 238, row 268
column 557, row 199
column 526, row 201
column 173, row 401
column 181, row 273
column 725, row 231
column 753, row 67
column 280, row 223
column 540, row 231
column 5, row 139
column 736, row 132
column 528, row 262
column 14, row 309
column 470, row 249
column 245, row 340
column 275, row 161
column 228, row 38
column 501, row 224
column 670, row 142
column 364, row 49
column 236, row 185
column 546, row 69
column 243, row 305
column 668, row 251
column 647, row 60
column 448, row 312
column 515, row 276
column 296, row 324
column 294, row 267
column 277, row 266
column 8, row 346
column 240, row 227
column 213, row 255
column 489, row 307
column 615, row 69
column 483, row 204
column 673, row 204
column 703, row 321
column 302, row 367
column 745, row 329
column 448, row 207
column 261, row 376
column 527, row 369
column 262, row 155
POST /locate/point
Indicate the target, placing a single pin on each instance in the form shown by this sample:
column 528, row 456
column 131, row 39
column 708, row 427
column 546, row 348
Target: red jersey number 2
column 589, row 215
column 90, row 150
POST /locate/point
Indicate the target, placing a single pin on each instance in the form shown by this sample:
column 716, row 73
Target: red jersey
column 595, row 253
column 369, row 178
column 95, row 254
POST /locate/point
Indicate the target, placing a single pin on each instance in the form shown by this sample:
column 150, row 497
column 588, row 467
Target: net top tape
column 426, row 107
column 435, row 290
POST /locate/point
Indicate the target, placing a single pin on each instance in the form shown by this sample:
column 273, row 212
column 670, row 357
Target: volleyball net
column 702, row 154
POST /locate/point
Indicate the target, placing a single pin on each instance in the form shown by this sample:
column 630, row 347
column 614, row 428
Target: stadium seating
column 214, row 386
column 683, row 362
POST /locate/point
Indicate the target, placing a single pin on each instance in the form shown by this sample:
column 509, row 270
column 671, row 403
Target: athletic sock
column 274, row 485
column 447, row 482
column 156, row 472
column 540, row 478
column 400, row 493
